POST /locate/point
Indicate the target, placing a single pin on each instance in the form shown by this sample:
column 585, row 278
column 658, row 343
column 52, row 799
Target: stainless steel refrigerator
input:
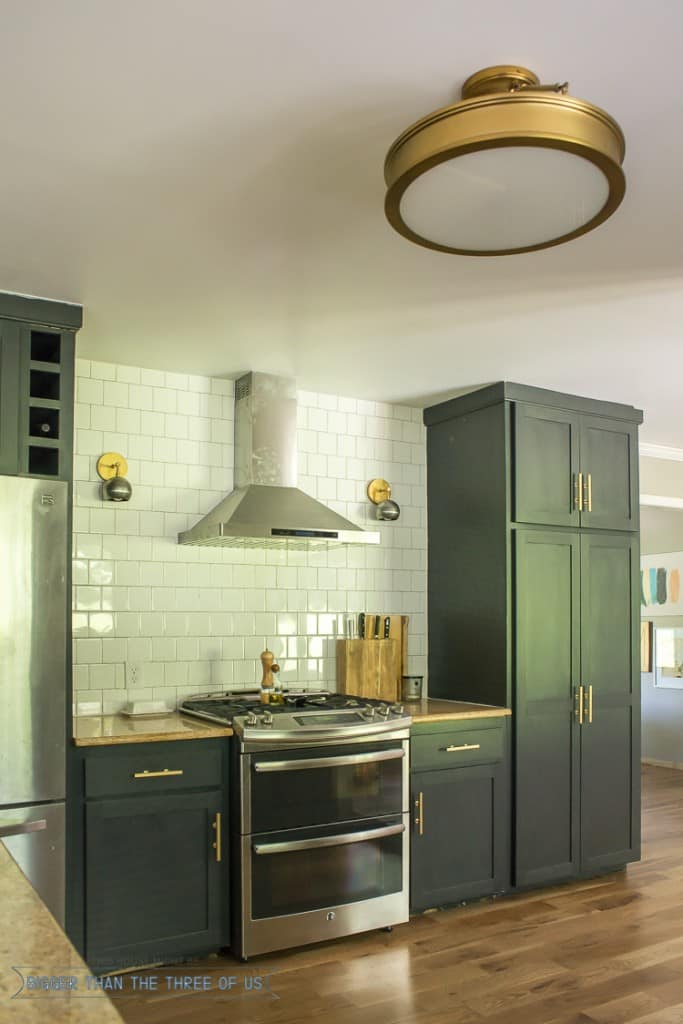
column 33, row 651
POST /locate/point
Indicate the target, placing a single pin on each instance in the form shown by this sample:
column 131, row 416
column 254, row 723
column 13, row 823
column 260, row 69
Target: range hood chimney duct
column 267, row 508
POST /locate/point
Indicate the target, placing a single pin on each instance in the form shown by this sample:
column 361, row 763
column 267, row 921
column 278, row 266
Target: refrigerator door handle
column 20, row 830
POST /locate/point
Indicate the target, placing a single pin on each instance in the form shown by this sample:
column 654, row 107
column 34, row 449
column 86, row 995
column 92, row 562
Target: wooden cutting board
column 369, row 668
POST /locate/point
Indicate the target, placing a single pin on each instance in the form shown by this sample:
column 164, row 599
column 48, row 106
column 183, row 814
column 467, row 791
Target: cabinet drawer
column 451, row 749
column 153, row 768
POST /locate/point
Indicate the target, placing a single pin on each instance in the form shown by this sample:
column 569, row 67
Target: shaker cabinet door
column 547, row 676
column 610, row 751
column 609, row 464
column 9, row 398
column 546, row 465
column 459, row 844
column 154, row 886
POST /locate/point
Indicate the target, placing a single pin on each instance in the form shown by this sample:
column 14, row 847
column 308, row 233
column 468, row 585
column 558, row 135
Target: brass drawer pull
column 578, row 491
column 216, row 825
column 158, row 775
column 420, row 821
column 588, row 493
column 463, row 746
column 590, row 705
column 579, row 705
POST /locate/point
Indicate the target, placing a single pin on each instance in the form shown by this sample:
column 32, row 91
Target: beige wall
column 661, row 529
column 661, row 476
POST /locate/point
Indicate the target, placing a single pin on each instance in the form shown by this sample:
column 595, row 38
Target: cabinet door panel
column 546, row 461
column 609, row 453
column 464, row 849
column 153, row 885
column 547, row 674
column 610, row 755
column 9, row 398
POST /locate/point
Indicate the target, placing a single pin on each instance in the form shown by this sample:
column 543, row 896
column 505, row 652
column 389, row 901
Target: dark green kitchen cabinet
column 460, row 832
column 533, row 551
column 9, row 398
column 610, row 675
column 609, row 465
column 577, row 759
column 148, row 852
column 37, row 343
column 546, row 465
column 574, row 469
column 153, row 883
column 547, row 673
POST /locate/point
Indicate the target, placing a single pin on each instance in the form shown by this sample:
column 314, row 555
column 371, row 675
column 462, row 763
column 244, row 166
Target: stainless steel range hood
column 266, row 507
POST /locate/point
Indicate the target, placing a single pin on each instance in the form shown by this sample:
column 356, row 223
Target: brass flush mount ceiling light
column 515, row 166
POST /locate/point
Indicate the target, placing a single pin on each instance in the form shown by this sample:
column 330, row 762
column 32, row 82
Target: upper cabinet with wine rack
column 37, row 341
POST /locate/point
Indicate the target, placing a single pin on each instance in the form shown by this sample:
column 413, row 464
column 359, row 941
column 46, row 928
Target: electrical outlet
column 133, row 675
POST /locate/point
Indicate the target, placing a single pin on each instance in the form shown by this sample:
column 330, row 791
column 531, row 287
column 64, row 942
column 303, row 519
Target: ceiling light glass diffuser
column 515, row 166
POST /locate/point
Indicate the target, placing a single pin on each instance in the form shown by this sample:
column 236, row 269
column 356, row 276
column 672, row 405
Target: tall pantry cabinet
column 534, row 603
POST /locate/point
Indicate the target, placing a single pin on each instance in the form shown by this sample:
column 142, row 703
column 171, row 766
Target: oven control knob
column 267, row 718
column 251, row 719
column 397, row 709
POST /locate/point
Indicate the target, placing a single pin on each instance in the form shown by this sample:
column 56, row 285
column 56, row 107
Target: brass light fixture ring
column 498, row 120
column 499, row 78
column 379, row 490
column 481, row 112
column 111, row 464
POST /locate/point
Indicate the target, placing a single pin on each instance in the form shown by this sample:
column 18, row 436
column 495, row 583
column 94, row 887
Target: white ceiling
column 206, row 178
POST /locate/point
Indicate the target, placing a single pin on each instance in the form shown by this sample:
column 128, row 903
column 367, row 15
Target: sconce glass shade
column 388, row 510
column 117, row 489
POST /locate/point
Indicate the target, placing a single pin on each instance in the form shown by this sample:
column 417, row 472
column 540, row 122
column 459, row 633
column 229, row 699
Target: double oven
column 322, row 839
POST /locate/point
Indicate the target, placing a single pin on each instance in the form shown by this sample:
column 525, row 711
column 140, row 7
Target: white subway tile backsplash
column 197, row 618
column 88, row 651
column 126, row 374
column 89, row 391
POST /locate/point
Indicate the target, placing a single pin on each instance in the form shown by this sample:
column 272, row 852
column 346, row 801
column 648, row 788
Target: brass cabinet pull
column 420, row 821
column 579, row 705
column 463, row 746
column 578, row 491
column 590, row 705
column 158, row 775
column 217, row 829
column 588, row 493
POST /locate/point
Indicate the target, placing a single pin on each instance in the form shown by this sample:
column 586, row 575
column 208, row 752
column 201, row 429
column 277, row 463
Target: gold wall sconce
column 379, row 493
column 112, row 469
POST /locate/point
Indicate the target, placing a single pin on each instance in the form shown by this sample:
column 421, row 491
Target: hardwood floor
column 609, row 951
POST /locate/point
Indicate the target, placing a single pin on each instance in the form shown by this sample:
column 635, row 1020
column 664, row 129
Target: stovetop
column 303, row 717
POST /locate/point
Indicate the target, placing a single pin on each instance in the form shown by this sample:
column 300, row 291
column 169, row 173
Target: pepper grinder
column 268, row 681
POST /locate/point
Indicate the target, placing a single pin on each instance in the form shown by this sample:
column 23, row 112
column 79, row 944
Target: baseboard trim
column 676, row 765
column 660, row 501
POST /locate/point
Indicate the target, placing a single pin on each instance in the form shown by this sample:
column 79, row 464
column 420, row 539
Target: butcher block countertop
column 32, row 942
column 451, row 711
column 106, row 730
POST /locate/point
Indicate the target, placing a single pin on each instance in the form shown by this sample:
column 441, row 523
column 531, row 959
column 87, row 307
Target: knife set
column 373, row 627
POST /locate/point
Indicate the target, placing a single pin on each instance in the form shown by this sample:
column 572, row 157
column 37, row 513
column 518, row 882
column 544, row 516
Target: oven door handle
column 327, row 762
column 344, row 840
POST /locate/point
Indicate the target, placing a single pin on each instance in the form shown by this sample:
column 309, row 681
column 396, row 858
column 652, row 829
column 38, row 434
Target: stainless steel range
column 320, row 809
